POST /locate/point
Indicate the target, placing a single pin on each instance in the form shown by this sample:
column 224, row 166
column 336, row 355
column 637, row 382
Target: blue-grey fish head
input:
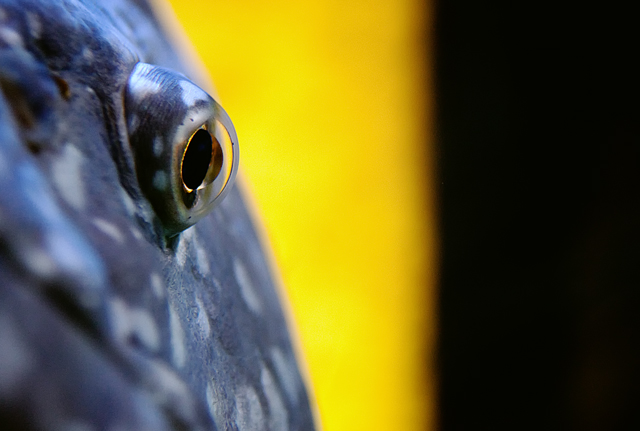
column 127, row 301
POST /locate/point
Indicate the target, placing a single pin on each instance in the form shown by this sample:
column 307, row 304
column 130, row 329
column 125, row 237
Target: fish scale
column 107, row 322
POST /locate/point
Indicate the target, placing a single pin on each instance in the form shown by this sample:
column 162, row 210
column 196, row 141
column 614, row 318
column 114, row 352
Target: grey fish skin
column 105, row 324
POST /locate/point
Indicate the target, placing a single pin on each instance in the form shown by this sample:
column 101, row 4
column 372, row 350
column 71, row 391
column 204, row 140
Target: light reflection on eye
column 184, row 145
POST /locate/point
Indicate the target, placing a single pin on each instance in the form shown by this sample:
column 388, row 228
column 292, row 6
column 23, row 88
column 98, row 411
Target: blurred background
column 452, row 193
column 331, row 103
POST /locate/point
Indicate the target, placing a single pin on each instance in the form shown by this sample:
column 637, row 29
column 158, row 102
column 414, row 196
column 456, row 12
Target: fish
column 135, row 290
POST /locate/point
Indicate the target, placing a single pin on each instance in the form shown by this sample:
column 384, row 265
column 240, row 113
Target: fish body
column 110, row 319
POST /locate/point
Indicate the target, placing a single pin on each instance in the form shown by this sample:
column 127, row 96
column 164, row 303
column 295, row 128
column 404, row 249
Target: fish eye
column 184, row 145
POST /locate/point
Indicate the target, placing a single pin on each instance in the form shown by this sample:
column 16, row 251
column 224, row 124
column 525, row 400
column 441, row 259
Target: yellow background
column 331, row 102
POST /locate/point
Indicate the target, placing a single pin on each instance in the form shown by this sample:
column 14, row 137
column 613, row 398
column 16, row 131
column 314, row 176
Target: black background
column 539, row 190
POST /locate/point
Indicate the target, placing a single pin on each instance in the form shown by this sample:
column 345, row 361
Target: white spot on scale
column 119, row 319
column 181, row 252
column 71, row 254
column 136, row 233
column 215, row 406
column 16, row 359
column 128, row 321
column 178, row 348
column 87, row 54
column 134, row 123
column 170, row 390
column 202, row 259
column 157, row 285
column 278, row 417
column 167, row 378
column 129, row 205
column 11, row 37
column 67, row 177
column 203, row 319
column 158, row 146
column 286, row 371
column 246, row 287
column 145, row 327
column 108, row 229
column 249, row 415
column 160, row 180
column 35, row 26
column 40, row 263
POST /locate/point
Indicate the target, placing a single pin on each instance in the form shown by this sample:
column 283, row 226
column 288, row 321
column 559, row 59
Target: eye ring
column 184, row 145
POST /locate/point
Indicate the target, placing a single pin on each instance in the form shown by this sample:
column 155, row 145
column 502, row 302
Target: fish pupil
column 196, row 159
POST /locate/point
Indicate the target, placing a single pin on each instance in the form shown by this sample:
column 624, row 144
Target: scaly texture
column 105, row 324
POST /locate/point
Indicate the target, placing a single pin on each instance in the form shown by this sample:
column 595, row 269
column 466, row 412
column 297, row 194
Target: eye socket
column 184, row 145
